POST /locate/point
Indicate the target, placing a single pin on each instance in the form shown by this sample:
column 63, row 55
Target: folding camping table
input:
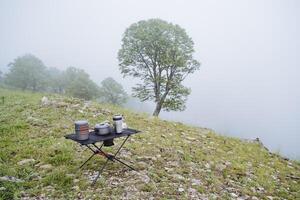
column 91, row 145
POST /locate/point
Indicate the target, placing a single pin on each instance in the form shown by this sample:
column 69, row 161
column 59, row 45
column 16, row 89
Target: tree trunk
column 157, row 108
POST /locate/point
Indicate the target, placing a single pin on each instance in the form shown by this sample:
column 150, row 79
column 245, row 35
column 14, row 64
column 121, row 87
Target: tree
column 78, row 84
column 55, row 80
column 26, row 72
column 161, row 55
column 112, row 92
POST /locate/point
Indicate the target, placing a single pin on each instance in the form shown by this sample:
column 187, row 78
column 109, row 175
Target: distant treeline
column 29, row 73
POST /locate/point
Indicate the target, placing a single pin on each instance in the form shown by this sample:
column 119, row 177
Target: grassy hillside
column 174, row 161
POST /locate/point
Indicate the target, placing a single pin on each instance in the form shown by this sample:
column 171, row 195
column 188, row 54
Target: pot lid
column 81, row 122
column 117, row 117
column 100, row 126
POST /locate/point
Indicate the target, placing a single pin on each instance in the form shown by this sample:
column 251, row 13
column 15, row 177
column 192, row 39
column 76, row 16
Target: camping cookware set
column 104, row 128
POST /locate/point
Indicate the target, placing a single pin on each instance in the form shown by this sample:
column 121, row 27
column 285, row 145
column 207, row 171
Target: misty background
column 248, row 82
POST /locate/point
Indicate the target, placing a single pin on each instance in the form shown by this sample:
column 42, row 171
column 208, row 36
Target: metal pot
column 82, row 130
column 102, row 129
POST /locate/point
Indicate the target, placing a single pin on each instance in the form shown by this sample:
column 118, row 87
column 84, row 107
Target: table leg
column 87, row 160
column 119, row 151
column 111, row 157
column 94, row 153
column 124, row 163
column 100, row 171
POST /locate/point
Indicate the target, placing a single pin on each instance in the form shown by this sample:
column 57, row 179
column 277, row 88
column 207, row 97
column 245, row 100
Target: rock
column 178, row 177
column 154, row 158
column 169, row 169
column 26, row 161
column 61, row 104
column 261, row 189
column 180, row 189
column 207, row 166
column 220, row 167
column 145, row 178
column 192, row 192
column 87, row 104
column 76, row 187
column 76, row 180
column 97, row 115
column 228, row 163
column 114, row 183
column 190, row 138
column 75, row 106
column 46, row 166
column 49, row 188
column 10, row 179
column 142, row 165
column 70, row 175
column 92, row 175
column 180, row 152
column 196, row 182
column 35, row 176
column 214, row 196
column 45, row 101
column 172, row 164
column 233, row 195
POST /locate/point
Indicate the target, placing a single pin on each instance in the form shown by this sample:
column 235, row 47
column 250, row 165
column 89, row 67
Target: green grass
column 167, row 155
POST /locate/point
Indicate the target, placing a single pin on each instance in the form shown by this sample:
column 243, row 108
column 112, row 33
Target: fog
column 248, row 83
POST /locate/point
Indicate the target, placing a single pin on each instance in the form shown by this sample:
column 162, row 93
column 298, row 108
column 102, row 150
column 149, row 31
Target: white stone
column 261, row 189
column 180, row 152
column 46, row 166
column 178, row 176
column 10, row 179
column 233, row 195
column 196, row 182
column 76, row 187
column 25, row 161
column 180, row 189
column 45, row 101
column 76, row 180
column 145, row 178
column 220, row 167
column 207, row 166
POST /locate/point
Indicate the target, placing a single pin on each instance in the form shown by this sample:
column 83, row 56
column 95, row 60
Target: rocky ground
column 173, row 161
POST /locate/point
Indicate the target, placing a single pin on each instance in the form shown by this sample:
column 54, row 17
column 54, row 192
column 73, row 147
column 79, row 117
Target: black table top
column 93, row 138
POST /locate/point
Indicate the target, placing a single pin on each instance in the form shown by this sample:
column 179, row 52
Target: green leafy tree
column 27, row 72
column 161, row 55
column 78, row 84
column 55, row 80
column 112, row 92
